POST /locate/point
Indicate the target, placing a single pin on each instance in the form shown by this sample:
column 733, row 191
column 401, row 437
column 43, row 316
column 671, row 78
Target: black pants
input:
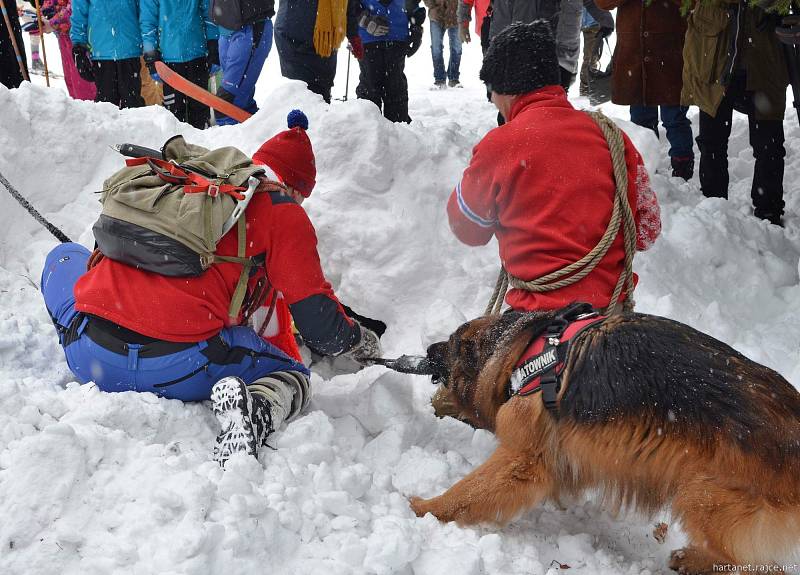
column 766, row 139
column 10, row 75
column 383, row 80
column 299, row 61
column 184, row 108
column 118, row 82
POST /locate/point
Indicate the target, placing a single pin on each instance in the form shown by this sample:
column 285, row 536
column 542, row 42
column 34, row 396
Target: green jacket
column 724, row 37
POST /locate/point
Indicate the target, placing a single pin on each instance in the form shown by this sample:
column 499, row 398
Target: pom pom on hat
column 297, row 119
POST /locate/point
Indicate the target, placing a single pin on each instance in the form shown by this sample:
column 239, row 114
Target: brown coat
column 443, row 12
column 648, row 59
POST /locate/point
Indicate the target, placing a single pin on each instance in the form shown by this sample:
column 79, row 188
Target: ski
column 181, row 84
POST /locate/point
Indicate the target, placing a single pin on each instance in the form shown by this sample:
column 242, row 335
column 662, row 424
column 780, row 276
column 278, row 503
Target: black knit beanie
column 522, row 58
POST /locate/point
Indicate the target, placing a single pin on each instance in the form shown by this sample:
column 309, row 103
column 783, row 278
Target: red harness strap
column 545, row 358
column 192, row 182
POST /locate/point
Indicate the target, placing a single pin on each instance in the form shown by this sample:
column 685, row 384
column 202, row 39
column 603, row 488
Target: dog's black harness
column 544, row 359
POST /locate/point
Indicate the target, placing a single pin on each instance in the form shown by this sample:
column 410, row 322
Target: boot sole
column 232, row 406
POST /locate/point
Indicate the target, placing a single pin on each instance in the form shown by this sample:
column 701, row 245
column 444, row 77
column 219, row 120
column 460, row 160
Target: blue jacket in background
column 109, row 27
column 398, row 21
column 177, row 28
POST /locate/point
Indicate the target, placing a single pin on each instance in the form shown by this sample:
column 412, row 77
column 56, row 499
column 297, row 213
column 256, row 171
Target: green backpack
column 166, row 215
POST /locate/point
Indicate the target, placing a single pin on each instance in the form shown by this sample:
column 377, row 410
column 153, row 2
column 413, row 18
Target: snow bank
column 124, row 483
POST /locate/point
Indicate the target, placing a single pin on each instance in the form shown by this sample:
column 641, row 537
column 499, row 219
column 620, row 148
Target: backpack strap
column 247, row 263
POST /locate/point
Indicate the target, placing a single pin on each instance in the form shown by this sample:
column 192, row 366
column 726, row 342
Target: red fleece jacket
column 196, row 308
column 543, row 184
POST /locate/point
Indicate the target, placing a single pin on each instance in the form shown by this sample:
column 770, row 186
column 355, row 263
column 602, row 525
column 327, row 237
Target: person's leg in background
column 454, row 65
column 242, row 55
column 372, row 73
column 105, row 79
column 184, row 108
column 681, row 144
column 646, row 117
column 130, row 84
column 437, row 53
column 712, row 141
column 591, row 56
column 395, row 90
column 767, row 141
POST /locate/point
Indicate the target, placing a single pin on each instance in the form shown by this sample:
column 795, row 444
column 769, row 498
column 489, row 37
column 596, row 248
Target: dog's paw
column 691, row 561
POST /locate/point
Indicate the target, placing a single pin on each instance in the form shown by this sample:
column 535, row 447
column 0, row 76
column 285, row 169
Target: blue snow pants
column 242, row 55
column 188, row 374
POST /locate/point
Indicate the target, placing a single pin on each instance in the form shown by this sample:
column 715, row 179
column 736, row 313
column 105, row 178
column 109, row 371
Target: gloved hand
column 463, row 33
column 150, row 59
column 83, row 61
column 48, row 11
column 415, row 21
column 369, row 346
column 374, row 24
column 213, row 57
column 356, row 47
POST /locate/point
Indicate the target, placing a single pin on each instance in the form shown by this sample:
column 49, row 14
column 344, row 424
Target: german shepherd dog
column 651, row 412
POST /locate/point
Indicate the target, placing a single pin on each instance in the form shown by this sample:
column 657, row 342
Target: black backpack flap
column 235, row 14
column 145, row 249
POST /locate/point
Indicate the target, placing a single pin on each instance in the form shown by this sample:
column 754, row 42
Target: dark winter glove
column 374, row 24
column 150, row 59
column 415, row 21
column 213, row 57
column 83, row 61
column 48, row 12
column 368, row 347
column 463, row 33
column 356, row 47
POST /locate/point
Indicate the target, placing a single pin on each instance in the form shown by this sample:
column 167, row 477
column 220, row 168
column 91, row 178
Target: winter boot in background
column 682, row 168
column 248, row 414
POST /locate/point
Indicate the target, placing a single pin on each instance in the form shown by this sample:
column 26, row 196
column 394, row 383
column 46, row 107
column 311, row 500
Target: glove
column 83, row 61
column 49, row 11
column 368, row 347
column 150, row 59
column 463, row 33
column 356, row 47
column 415, row 21
column 374, row 24
column 213, row 57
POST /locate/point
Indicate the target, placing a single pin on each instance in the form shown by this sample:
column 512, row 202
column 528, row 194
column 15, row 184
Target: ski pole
column 347, row 80
column 44, row 49
column 32, row 211
column 14, row 41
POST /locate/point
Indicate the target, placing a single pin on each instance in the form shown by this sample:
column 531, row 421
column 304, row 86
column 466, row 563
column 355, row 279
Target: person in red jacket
column 543, row 183
column 129, row 329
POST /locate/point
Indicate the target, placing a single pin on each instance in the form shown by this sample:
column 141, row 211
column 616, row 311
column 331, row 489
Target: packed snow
column 102, row 483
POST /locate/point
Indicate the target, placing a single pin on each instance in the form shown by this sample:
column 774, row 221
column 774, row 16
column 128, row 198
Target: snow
column 124, row 483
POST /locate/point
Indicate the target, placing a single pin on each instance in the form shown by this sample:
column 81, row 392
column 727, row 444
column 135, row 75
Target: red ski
column 181, row 84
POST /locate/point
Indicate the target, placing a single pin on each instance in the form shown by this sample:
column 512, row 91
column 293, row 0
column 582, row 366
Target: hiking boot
column 682, row 168
column 245, row 419
column 439, row 86
column 454, row 84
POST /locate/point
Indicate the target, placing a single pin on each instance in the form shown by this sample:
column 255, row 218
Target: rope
column 621, row 215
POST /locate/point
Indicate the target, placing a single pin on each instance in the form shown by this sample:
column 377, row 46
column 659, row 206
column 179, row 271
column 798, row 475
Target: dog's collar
column 540, row 365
